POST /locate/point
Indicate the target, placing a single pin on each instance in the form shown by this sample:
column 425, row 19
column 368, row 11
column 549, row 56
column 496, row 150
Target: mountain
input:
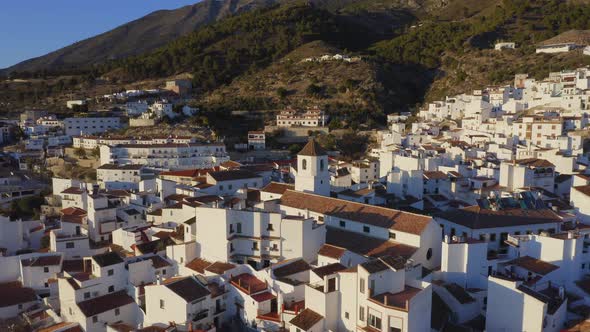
column 142, row 35
column 413, row 51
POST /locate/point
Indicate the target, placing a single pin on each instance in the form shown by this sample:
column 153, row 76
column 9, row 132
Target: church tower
column 312, row 170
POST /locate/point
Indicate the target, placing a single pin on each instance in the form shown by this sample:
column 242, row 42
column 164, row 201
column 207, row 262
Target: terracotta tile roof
column 435, row 175
column 189, row 289
column 73, row 190
column 277, row 188
column 475, row 217
column 198, row 265
column 104, row 303
column 261, row 297
column 534, row 162
column 328, row 269
column 42, row 261
column 230, row 164
column 366, row 245
column 534, row 265
column 583, row 189
column 362, row 213
column 13, row 293
column 220, row 267
column 312, row 148
column 62, row 327
column 398, row 300
column 248, row 283
column 306, row 319
column 73, row 211
column 331, row 251
column 291, row 268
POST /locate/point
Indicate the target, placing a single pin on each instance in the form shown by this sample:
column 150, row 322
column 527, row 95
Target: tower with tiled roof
column 312, row 170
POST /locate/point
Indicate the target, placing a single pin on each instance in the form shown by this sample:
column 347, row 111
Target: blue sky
column 30, row 28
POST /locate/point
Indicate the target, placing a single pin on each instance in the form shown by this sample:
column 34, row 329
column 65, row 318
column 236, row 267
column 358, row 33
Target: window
column 374, row 321
column 69, row 245
column 254, row 245
column 482, row 237
column 346, row 315
column 164, row 271
column 392, row 235
column 231, row 228
column 366, row 229
column 87, row 295
column 231, row 247
column 111, row 289
column 269, row 228
column 46, row 269
column 239, row 228
column 220, row 187
column 304, row 164
column 110, row 272
column 362, row 314
column 321, row 164
column 429, row 254
column 162, row 304
column 94, row 319
column 492, row 237
column 362, row 286
column 117, row 312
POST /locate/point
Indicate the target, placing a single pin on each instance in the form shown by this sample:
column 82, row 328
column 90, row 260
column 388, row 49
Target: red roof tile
column 362, row 213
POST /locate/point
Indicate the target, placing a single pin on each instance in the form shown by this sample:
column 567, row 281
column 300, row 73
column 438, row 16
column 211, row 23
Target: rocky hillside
column 137, row 37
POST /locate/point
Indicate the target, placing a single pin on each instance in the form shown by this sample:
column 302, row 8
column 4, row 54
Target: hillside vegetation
column 412, row 50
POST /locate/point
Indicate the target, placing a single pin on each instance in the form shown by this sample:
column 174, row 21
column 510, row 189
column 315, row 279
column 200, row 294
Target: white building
column 165, row 156
column 256, row 140
column 125, row 177
column 312, row 170
column 256, row 238
column 90, row 125
column 182, row 300
column 526, row 173
column 311, row 117
column 513, row 306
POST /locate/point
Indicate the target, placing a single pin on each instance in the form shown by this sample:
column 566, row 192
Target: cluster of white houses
column 473, row 218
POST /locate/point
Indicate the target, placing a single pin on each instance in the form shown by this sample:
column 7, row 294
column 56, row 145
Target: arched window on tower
column 321, row 164
column 304, row 164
